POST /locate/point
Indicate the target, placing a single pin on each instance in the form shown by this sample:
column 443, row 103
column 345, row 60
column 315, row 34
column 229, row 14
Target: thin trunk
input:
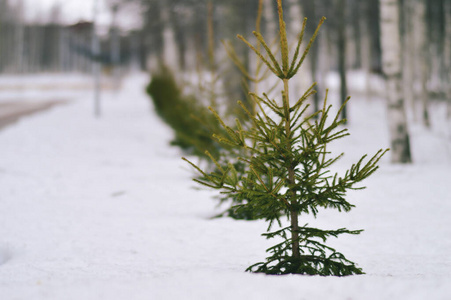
column 324, row 59
column 443, row 77
column 408, row 56
column 211, row 37
column 291, row 177
column 63, row 50
column 170, row 55
column 314, row 69
column 235, row 84
column 135, row 47
column 365, row 45
column 211, row 54
column 341, row 45
column 4, row 46
column 435, row 29
column 314, row 55
column 354, row 51
column 447, row 54
column 115, row 46
column 36, row 48
column 358, row 31
column 375, row 42
column 391, row 64
column 19, row 40
column 257, row 64
column 95, row 48
column 180, row 30
column 423, row 58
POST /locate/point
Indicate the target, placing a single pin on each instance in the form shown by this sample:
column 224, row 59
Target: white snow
column 105, row 209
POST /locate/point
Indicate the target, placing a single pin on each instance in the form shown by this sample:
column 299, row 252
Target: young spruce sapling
column 288, row 169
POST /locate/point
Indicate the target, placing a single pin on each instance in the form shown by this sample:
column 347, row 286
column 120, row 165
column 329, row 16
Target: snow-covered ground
column 105, row 209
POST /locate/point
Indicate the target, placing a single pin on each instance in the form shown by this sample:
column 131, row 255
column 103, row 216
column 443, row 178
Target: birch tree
column 391, row 65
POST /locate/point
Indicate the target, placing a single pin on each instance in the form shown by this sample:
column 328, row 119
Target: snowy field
column 105, row 209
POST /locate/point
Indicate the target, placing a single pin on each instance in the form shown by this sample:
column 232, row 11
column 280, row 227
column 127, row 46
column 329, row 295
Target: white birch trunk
column 391, row 64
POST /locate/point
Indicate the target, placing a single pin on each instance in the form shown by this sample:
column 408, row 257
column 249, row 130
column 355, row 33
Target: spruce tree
column 191, row 121
column 287, row 169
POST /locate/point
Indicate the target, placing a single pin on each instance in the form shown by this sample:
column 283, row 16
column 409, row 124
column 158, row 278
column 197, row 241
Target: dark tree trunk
column 341, row 47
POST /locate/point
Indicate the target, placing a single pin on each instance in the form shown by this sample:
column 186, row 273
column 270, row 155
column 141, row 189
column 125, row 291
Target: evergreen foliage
column 192, row 123
column 286, row 169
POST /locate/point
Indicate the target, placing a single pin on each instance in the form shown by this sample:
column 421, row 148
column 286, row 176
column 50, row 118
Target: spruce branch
column 283, row 39
column 263, row 59
column 295, row 69
column 301, row 100
column 298, row 47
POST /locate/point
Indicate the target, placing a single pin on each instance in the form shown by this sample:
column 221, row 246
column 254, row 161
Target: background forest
column 187, row 36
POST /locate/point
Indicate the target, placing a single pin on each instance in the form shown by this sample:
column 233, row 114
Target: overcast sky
column 75, row 10
column 70, row 9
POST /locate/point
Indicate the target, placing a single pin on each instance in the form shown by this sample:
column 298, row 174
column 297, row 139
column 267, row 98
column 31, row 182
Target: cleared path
column 11, row 112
